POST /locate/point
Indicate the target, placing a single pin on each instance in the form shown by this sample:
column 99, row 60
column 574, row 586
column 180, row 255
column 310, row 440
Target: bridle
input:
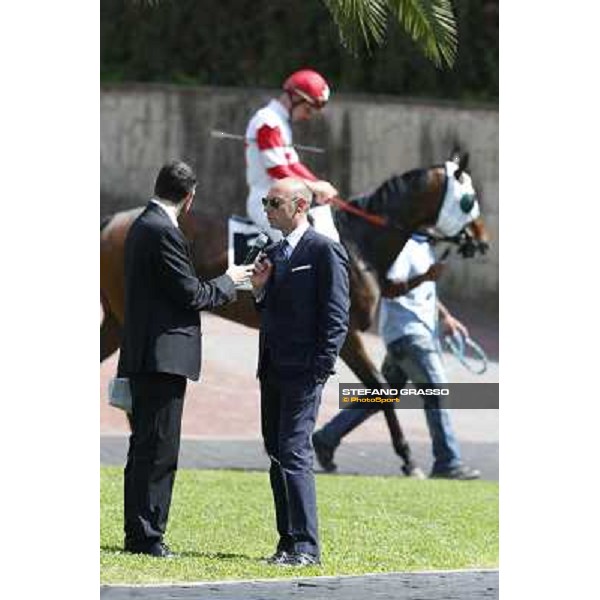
column 466, row 244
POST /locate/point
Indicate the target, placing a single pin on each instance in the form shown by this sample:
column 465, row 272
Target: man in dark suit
column 302, row 291
column 161, row 349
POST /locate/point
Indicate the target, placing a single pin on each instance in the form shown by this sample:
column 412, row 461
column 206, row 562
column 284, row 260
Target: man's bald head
column 290, row 187
column 287, row 204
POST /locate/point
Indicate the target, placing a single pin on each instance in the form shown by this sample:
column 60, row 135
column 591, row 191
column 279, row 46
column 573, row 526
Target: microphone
column 259, row 243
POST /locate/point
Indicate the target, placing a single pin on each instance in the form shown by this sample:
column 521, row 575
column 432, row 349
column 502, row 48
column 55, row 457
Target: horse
column 373, row 228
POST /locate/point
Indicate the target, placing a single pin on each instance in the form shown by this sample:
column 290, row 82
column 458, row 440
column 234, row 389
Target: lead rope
column 458, row 344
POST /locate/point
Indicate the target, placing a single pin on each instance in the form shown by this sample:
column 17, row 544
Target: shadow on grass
column 117, row 549
column 217, row 556
column 206, row 555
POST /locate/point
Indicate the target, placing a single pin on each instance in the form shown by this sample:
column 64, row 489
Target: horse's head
column 459, row 218
column 442, row 197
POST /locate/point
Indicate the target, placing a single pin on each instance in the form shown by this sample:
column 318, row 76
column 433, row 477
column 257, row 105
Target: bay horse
column 373, row 228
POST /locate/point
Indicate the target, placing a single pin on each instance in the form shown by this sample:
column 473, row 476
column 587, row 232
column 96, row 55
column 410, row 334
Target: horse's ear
column 462, row 165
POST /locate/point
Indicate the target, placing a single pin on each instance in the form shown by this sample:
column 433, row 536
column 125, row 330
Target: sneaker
column 323, row 452
column 461, row 473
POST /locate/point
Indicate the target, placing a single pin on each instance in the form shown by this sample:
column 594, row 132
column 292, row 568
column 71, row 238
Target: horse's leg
column 110, row 333
column 354, row 355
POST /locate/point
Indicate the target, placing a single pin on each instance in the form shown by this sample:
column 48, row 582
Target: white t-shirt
column 414, row 313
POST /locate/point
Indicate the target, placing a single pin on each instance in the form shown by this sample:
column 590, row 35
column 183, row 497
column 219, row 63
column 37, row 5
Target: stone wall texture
column 367, row 139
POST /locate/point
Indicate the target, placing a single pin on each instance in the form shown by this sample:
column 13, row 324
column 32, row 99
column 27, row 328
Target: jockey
column 270, row 154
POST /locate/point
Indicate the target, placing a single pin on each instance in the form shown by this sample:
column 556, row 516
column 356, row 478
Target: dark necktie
column 280, row 257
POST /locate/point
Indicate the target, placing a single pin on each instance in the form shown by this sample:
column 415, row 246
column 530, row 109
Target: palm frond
column 359, row 21
column 431, row 24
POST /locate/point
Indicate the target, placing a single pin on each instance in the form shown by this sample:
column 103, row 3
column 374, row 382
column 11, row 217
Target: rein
column 359, row 212
column 371, row 218
column 380, row 221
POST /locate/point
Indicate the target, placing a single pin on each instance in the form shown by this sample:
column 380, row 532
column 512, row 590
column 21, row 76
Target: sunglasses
column 274, row 202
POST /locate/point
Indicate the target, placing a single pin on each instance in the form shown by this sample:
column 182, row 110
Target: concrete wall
column 368, row 138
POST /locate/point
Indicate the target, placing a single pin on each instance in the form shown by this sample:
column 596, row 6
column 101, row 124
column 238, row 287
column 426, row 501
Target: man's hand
column 450, row 325
column 323, row 191
column 393, row 289
column 240, row 273
column 262, row 271
column 434, row 272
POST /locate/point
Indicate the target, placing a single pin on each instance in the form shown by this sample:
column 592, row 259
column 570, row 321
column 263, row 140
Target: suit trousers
column 152, row 457
column 289, row 409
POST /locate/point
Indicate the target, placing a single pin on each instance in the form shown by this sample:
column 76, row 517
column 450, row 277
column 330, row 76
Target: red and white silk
column 270, row 155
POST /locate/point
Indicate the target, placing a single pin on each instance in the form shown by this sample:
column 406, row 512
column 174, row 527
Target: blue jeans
column 414, row 358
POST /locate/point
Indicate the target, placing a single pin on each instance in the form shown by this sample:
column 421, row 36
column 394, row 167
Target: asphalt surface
column 446, row 585
column 365, row 458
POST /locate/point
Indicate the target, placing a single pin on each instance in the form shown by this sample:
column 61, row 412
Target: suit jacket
column 163, row 297
column 305, row 314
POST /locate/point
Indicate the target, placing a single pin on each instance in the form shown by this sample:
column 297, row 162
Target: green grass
column 222, row 523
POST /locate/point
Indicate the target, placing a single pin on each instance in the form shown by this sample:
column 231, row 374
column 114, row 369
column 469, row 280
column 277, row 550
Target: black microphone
column 259, row 243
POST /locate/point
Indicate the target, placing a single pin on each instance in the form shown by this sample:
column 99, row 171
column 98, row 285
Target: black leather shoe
column 158, row 550
column 323, row 452
column 301, row 559
column 278, row 558
column 460, row 473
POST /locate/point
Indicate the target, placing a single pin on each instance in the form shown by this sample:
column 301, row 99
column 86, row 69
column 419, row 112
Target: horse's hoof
column 413, row 472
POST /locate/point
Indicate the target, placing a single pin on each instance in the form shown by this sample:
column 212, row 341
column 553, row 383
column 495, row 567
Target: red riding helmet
column 309, row 85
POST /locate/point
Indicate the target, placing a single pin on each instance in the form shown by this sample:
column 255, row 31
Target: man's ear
column 303, row 204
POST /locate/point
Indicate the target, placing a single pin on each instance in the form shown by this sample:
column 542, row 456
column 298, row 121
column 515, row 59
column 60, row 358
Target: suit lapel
column 296, row 256
column 300, row 248
column 298, row 253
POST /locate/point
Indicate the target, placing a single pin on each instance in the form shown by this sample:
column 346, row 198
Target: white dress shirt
column 168, row 208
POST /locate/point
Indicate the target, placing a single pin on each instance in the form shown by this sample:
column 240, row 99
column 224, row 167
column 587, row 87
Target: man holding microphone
column 302, row 292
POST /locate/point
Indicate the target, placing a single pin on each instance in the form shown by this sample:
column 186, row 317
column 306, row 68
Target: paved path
column 225, row 403
column 362, row 458
column 221, row 420
column 446, row 585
